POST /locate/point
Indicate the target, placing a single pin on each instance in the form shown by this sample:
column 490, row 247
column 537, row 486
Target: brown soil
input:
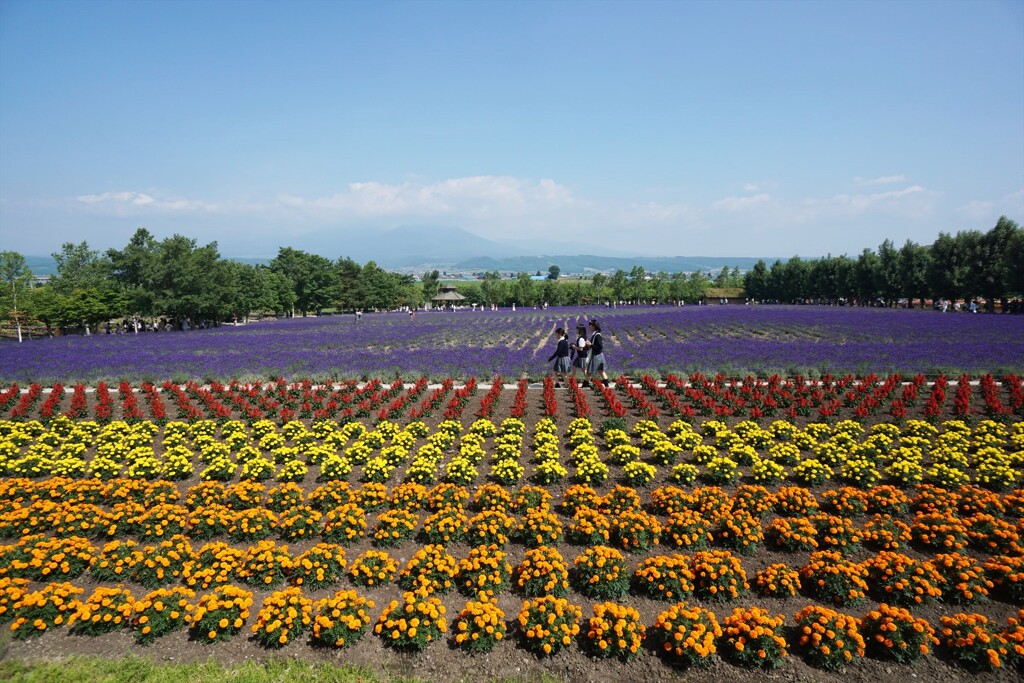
column 443, row 662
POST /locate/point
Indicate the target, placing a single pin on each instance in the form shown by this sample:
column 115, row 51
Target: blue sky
column 679, row 128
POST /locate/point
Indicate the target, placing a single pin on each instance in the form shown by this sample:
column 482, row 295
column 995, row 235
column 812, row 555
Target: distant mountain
column 440, row 246
column 419, row 247
column 592, row 263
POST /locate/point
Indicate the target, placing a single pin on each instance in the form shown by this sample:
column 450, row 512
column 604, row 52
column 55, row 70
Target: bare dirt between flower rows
column 443, row 662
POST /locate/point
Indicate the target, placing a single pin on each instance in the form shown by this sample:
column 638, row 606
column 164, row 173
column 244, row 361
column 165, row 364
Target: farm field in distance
column 735, row 340
column 681, row 522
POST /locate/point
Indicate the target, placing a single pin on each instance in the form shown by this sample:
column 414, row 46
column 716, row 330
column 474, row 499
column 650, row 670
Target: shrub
column 342, row 619
column 430, row 570
column 664, row 577
column 321, row 566
column 829, row 639
column 548, row 624
column 740, row 531
column 973, row 642
column 718, row 575
column 901, row 580
column 485, row 572
column 161, row 612
column 830, row 578
column 284, row 615
column 394, row 526
column 635, row 530
column 373, row 568
column 688, row 529
column 36, row 611
column 479, row 626
column 221, row 614
column 894, row 633
column 778, row 581
column 412, row 623
column 962, row 578
column 601, row 573
column 107, row 609
column 753, row 637
column 614, row 631
column 686, row 635
column 542, row 572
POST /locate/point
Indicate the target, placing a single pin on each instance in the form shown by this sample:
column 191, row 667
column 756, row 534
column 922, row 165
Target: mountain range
column 426, row 247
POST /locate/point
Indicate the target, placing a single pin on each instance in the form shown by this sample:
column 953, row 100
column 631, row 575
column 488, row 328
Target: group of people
column 585, row 353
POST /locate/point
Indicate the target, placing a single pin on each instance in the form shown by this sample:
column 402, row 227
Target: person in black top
column 578, row 350
column 561, row 356
column 596, row 346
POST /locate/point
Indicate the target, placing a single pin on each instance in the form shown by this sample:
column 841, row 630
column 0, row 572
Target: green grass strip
column 141, row 670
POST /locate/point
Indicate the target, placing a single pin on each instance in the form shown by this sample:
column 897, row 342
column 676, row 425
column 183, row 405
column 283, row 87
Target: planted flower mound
column 829, row 530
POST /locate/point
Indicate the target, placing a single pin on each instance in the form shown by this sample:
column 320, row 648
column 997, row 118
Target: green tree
column 867, row 276
column 598, row 283
column 950, row 266
column 1014, row 263
column 16, row 278
column 524, row 290
column 619, row 285
column 314, row 277
column 993, row 271
column 551, row 293
column 795, row 279
column 132, row 269
column 638, row 283
column 554, row 272
column 431, row 284
column 79, row 267
column 492, row 289
column 889, row 275
column 188, row 282
column 755, row 283
column 913, row 268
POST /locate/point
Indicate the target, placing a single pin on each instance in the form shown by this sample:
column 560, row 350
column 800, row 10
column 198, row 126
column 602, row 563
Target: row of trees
column 968, row 265
column 637, row 285
column 177, row 280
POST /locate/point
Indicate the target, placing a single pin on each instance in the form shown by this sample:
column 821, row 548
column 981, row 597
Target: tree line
column 966, row 266
column 175, row 280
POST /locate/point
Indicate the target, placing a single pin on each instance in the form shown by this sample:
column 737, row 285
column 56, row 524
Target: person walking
column 578, row 350
column 596, row 362
column 561, row 357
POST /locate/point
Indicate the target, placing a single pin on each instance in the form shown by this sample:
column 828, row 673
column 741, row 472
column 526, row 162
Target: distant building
column 447, row 297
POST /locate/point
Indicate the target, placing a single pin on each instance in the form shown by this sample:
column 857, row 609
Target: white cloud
column 983, row 210
column 473, row 196
column 914, row 201
column 122, row 202
column 131, row 198
column 733, row 204
column 882, row 180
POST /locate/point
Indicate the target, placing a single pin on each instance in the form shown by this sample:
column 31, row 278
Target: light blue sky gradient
column 680, row 128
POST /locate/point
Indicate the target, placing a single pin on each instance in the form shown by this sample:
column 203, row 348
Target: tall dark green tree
column 314, row 277
column 914, row 262
column 889, row 276
column 755, row 282
column 431, row 284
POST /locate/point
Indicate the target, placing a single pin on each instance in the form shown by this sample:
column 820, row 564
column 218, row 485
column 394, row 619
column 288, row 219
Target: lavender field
column 730, row 339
